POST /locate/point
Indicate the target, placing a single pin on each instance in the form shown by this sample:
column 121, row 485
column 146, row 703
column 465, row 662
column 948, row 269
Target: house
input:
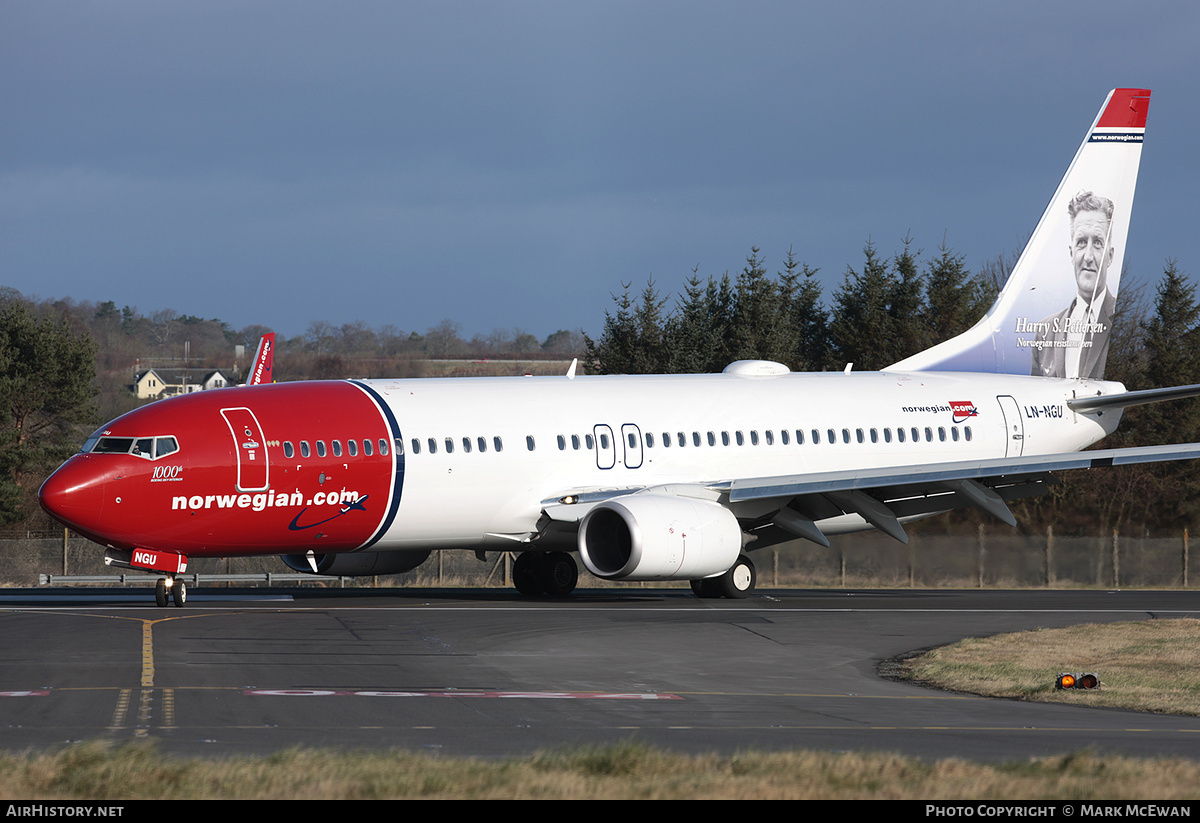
column 158, row 383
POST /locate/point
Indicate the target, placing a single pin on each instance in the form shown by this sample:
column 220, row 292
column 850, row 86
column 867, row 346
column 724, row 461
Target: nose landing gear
column 155, row 561
column 170, row 588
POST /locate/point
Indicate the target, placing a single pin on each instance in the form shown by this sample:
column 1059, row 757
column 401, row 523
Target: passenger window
column 649, row 440
column 603, row 441
column 900, row 435
column 832, row 436
column 399, row 446
column 529, row 442
column 681, row 438
column 304, row 451
column 587, row 438
column 712, row 439
column 942, row 434
column 432, row 446
column 695, row 438
column 320, row 448
column 887, row 435
column 928, row 435
column 481, row 442
column 816, row 436
column 467, row 445
column 783, row 437
column 562, row 443
column 416, row 445
column 383, row 447
column 874, row 435
column 367, row 451
column 967, row 432
column 352, row 447
column 954, row 434
column 288, row 450
column 337, row 448
column 575, row 442
column 449, row 445
column 632, row 440
column 498, row 443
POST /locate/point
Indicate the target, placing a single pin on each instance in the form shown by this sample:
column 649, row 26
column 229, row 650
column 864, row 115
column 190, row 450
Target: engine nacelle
column 354, row 564
column 658, row 537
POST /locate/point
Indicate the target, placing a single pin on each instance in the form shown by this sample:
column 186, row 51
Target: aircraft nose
column 74, row 494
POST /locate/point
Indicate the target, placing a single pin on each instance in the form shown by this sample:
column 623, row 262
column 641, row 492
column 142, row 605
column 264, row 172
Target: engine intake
column 658, row 537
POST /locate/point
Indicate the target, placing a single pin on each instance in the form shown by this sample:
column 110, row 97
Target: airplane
column 646, row 477
column 264, row 361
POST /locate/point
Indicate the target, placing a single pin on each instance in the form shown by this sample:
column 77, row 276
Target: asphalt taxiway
column 488, row 673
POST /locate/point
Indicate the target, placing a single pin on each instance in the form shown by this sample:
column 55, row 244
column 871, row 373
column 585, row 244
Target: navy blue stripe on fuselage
column 397, row 455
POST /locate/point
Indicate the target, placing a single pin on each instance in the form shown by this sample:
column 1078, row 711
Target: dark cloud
column 509, row 165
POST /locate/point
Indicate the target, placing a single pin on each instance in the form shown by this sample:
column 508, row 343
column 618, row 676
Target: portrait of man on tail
column 1074, row 342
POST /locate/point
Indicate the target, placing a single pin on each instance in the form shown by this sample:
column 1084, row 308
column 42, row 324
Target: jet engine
column 658, row 537
column 353, row 564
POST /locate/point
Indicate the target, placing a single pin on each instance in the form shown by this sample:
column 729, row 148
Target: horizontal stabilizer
column 1132, row 398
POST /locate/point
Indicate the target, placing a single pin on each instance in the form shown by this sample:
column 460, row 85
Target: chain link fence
column 985, row 559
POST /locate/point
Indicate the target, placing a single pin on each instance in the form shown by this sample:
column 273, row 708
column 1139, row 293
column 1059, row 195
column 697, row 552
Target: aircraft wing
column 883, row 496
column 779, row 508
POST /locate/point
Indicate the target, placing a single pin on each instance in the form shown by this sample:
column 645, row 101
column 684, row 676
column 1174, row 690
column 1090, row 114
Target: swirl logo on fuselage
column 354, row 505
column 963, row 410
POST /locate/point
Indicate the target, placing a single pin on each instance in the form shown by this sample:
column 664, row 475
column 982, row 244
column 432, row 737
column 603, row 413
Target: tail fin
column 1054, row 316
column 264, row 360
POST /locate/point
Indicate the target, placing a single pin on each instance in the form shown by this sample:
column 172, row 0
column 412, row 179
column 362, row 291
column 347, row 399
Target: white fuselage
column 559, row 435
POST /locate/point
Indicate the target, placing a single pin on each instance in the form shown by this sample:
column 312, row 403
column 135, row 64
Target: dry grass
column 1151, row 666
column 96, row 772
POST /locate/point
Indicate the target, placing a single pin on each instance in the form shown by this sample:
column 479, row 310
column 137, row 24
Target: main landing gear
column 736, row 583
column 538, row 573
column 170, row 588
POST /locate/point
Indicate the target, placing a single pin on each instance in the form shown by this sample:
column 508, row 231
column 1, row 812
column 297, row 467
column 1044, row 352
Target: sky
column 510, row 165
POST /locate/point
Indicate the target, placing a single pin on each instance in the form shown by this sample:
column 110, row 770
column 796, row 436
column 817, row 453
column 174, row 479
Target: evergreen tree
column 695, row 331
column 861, row 329
column 756, row 331
column 954, row 301
column 804, row 318
column 906, row 308
column 46, row 399
column 633, row 340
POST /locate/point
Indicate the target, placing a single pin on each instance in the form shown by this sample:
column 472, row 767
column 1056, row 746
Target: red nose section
column 74, row 495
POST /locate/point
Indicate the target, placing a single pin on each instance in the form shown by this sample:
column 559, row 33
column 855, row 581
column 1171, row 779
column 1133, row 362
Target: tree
column 47, row 393
column 803, row 315
column 862, row 330
column 954, row 301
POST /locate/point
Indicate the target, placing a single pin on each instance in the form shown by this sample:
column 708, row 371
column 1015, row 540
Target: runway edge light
column 1077, row 680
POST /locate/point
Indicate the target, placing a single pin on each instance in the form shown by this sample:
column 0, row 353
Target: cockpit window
column 148, row 448
column 113, row 445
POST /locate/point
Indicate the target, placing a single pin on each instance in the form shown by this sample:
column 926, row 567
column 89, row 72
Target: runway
column 488, row 673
